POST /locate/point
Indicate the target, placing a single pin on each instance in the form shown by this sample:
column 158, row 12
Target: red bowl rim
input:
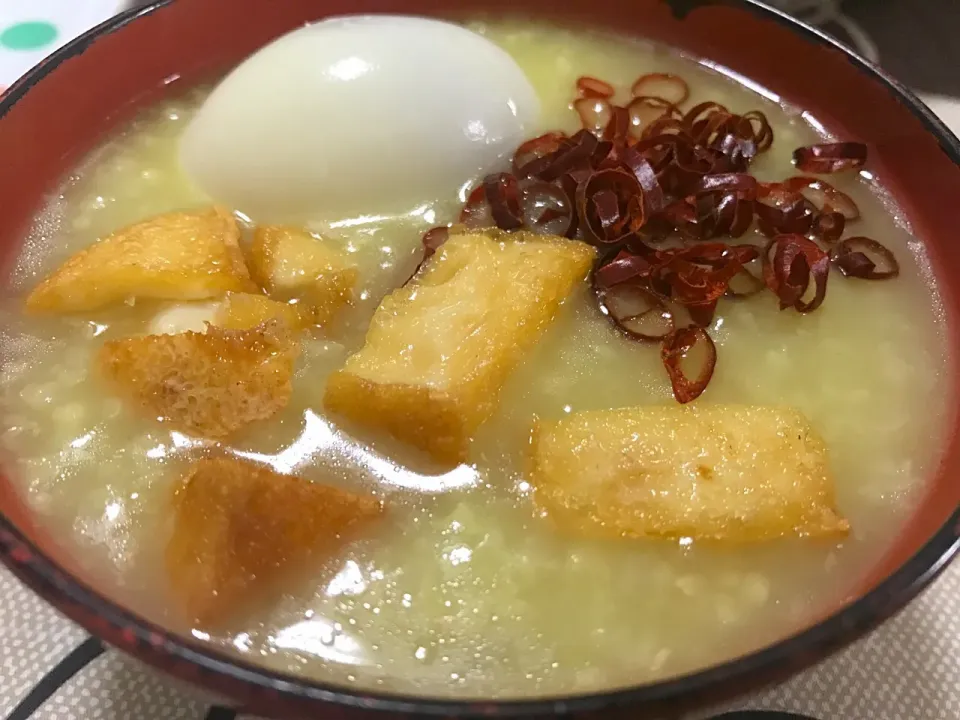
column 246, row 681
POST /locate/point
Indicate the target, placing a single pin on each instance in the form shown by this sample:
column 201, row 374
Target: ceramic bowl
column 62, row 108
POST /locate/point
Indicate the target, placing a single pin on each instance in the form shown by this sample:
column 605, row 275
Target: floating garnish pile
column 663, row 193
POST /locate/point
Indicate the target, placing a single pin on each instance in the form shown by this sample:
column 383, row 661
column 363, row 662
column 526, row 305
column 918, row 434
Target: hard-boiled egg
column 359, row 115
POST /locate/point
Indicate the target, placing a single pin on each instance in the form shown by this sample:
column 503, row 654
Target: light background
column 66, row 18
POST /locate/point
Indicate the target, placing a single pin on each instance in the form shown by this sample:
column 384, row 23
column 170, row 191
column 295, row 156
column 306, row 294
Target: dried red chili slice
column 709, row 129
column 535, row 149
column 644, row 112
column 675, row 349
column 762, row 132
column 573, row 154
column 827, row 158
column 666, row 86
column 625, row 267
column 546, row 208
column 742, row 217
column 701, row 112
column 666, row 124
column 792, row 262
column 594, row 112
column 738, row 151
column 637, row 311
column 781, row 210
column 608, row 203
column 476, row 211
column 591, row 87
column 865, row 258
column 698, row 276
column 749, row 278
column 828, row 226
column 503, row 194
column 823, row 195
column 606, row 155
column 641, row 168
column 741, row 184
column 618, row 128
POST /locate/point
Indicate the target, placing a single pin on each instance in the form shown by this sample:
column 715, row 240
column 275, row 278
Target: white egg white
column 359, row 115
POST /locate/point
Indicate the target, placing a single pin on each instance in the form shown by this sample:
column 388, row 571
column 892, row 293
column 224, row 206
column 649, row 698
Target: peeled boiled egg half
column 359, row 115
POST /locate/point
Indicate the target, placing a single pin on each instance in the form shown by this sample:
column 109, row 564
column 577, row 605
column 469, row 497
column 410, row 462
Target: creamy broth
column 463, row 590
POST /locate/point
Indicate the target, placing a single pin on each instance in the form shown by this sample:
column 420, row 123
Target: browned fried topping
column 240, row 527
column 205, row 384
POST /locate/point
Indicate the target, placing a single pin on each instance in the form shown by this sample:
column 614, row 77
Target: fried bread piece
column 711, row 472
column 439, row 349
column 292, row 264
column 205, row 384
column 239, row 527
column 177, row 256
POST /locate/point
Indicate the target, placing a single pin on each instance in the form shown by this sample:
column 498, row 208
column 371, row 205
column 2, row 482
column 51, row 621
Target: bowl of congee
column 406, row 358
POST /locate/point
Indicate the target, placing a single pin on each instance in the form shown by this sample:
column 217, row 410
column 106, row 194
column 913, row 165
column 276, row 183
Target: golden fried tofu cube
column 205, row 384
column 240, row 528
column 292, row 264
column 710, row 472
column 177, row 256
column 439, row 349
column 242, row 311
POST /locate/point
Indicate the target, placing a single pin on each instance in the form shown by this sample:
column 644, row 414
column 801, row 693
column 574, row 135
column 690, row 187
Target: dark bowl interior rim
column 851, row 621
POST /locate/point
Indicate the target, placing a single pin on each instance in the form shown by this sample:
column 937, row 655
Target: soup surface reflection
column 462, row 589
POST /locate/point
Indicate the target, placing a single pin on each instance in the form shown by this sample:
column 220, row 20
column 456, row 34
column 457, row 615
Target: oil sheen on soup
column 464, row 585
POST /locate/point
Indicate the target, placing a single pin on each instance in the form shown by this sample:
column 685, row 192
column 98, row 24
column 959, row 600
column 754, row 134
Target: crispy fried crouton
column 709, row 472
column 177, row 256
column 439, row 349
column 205, row 384
column 290, row 263
column 242, row 311
column 239, row 527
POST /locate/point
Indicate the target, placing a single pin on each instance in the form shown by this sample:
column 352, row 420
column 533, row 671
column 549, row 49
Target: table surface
column 917, row 40
column 908, row 670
